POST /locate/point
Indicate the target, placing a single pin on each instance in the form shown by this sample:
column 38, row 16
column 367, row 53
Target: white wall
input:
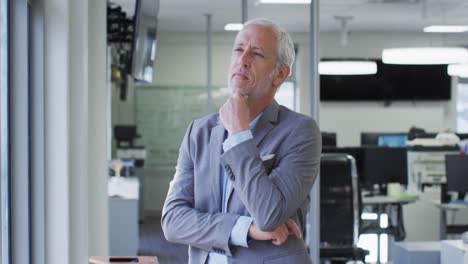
column 181, row 58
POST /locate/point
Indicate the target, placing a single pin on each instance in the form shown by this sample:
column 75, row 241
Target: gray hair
column 286, row 53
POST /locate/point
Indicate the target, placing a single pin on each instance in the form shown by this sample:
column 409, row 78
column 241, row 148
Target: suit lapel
column 216, row 141
column 262, row 128
column 231, row 189
column 265, row 123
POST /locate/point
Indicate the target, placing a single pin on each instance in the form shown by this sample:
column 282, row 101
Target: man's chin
column 241, row 90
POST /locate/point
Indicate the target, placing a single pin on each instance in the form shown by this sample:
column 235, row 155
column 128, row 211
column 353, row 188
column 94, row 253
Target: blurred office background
column 149, row 67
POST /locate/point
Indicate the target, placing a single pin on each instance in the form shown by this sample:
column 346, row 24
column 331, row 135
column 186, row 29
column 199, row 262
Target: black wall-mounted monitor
column 144, row 40
column 390, row 83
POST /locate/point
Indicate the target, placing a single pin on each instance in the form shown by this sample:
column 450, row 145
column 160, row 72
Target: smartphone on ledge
column 123, row 259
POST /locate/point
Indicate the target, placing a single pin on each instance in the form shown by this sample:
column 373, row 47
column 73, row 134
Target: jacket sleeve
column 181, row 222
column 272, row 198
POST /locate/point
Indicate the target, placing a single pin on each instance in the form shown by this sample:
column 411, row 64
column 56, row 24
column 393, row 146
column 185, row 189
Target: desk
column 387, row 204
column 444, row 208
column 123, row 215
column 454, row 252
column 123, row 227
column 387, row 200
column 427, row 252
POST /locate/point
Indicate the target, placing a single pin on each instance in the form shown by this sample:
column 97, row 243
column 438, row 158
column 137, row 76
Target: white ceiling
column 368, row 15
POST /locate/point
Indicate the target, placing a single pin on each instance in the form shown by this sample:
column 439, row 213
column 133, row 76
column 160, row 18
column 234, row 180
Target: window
column 286, row 94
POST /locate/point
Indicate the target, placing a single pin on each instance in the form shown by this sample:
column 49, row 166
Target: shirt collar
column 255, row 121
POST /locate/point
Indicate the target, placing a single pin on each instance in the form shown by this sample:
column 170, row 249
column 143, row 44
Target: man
column 240, row 191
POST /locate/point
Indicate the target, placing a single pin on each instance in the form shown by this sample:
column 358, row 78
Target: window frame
column 17, row 191
column 5, row 209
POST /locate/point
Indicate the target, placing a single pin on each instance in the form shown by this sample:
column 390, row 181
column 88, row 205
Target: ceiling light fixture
column 446, row 29
column 460, row 70
column 284, row 1
column 425, row 55
column 349, row 67
column 233, row 27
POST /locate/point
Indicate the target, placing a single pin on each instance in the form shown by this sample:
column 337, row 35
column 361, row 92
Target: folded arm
column 272, row 198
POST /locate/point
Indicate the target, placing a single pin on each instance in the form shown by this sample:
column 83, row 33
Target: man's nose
column 245, row 60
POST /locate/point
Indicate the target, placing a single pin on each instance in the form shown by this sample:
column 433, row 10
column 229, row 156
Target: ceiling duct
column 344, row 33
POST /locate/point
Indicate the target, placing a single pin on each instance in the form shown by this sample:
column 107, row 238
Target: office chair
column 340, row 209
column 455, row 168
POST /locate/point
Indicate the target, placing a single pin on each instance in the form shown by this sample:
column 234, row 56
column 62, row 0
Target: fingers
column 277, row 236
column 280, row 235
column 235, row 113
column 294, row 228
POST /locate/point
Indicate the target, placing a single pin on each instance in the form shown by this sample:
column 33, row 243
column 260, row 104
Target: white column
column 57, row 118
column 99, row 98
column 76, row 108
column 78, row 131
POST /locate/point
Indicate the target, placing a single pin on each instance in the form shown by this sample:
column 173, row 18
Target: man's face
column 253, row 59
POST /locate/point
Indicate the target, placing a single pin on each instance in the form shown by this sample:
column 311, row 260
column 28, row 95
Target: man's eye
column 259, row 55
column 238, row 50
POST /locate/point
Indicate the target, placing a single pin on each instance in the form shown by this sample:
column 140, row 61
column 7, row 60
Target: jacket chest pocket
column 268, row 162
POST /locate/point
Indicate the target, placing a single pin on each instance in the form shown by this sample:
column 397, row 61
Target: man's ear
column 281, row 75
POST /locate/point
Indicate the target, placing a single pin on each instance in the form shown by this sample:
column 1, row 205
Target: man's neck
column 258, row 107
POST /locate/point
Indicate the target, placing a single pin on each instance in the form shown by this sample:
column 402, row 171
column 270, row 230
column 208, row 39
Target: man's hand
column 234, row 114
column 277, row 236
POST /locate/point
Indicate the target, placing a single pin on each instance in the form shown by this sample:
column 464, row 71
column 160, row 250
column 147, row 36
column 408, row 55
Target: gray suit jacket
column 269, row 190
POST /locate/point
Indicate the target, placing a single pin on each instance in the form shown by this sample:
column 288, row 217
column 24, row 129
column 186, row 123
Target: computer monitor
column 125, row 134
column 456, row 167
column 369, row 139
column 373, row 138
column 329, row 139
column 416, row 132
column 392, row 140
column 383, row 165
column 356, row 152
column 462, row 136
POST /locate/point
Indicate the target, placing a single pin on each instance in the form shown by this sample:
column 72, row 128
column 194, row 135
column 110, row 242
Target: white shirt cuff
column 234, row 140
column 240, row 231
